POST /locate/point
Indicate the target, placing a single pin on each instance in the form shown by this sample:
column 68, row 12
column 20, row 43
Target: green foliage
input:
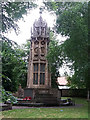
column 72, row 21
column 76, row 83
column 7, row 97
column 14, row 65
column 14, row 57
column 12, row 12
column 54, row 59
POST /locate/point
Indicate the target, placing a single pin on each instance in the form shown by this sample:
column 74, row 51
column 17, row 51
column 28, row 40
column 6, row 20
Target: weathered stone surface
column 37, row 58
column 39, row 77
column 29, row 92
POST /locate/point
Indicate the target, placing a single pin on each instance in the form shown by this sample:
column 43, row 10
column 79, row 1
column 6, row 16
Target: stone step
column 47, row 99
column 49, row 102
column 30, row 104
column 45, row 95
column 5, row 106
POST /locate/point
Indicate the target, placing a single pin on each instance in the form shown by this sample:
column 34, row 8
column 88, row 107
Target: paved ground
column 22, row 107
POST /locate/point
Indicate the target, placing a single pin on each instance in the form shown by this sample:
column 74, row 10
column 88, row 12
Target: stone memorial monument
column 39, row 78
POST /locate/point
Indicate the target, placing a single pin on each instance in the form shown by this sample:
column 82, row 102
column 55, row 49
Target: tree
column 14, row 65
column 12, row 12
column 72, row 21
column 54, row 58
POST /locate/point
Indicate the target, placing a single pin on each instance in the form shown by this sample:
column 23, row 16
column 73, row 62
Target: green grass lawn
column 65, row 112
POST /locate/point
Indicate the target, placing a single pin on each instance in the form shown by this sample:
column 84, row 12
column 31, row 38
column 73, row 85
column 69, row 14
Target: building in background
column 62, row 85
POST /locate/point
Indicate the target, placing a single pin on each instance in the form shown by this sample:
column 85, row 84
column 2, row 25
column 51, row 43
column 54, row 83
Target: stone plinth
column 46, row 96
column 33, row 92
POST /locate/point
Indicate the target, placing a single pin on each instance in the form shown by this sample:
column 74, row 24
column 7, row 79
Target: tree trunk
column 88, row 95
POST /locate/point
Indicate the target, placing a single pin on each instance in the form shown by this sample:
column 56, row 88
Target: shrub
column 7, row 97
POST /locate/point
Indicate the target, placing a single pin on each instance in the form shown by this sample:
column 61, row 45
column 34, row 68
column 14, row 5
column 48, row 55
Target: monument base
column 49, row 96
column 33, row 92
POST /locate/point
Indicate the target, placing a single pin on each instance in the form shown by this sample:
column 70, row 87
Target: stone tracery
column 40, row 40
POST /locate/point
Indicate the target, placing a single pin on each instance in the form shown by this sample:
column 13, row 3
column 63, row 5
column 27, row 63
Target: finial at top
column 40, row 10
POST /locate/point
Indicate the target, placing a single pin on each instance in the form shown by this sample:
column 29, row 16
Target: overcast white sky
column 25, row 28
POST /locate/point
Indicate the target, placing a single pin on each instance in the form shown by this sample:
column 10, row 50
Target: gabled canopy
column 40, row 28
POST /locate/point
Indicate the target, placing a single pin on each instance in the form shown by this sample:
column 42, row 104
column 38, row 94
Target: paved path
column 22, row 107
